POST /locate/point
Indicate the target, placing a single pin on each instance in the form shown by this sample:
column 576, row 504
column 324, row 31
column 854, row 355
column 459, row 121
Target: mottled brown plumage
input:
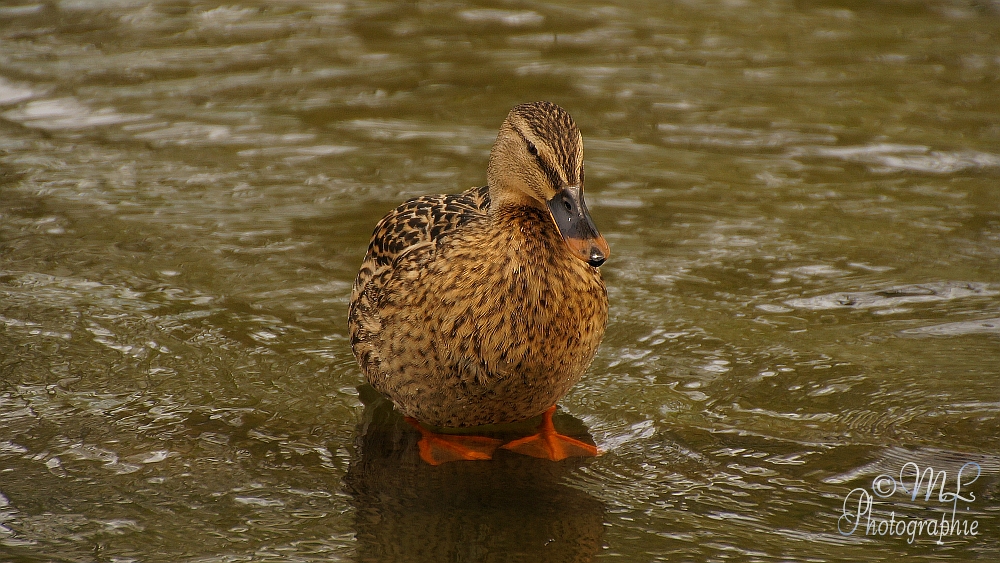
column 486, row 306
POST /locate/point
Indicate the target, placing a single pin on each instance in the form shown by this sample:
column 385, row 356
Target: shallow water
column 801, row 201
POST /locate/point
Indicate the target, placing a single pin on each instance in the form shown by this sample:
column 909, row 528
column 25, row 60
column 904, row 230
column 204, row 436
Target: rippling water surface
column 801, row 200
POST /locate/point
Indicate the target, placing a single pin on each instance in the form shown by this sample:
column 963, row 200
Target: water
column 805, row 229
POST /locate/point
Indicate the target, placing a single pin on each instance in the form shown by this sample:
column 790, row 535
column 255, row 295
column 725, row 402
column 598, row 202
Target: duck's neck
column 522, row 227
column 505, row 199
column 526, row 234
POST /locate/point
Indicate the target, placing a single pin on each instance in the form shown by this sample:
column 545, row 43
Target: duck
column 485, row 307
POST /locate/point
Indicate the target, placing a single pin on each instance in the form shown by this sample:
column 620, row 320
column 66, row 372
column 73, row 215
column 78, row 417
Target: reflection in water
column 513, row 508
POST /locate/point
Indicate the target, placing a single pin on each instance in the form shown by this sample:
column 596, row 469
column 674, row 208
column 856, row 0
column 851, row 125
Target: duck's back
column 417, row 222
column 405, row 240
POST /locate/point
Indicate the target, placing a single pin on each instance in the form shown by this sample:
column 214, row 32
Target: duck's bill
column 572, row 218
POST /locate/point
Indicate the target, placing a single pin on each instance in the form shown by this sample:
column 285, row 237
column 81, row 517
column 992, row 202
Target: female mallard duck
column 485, row 307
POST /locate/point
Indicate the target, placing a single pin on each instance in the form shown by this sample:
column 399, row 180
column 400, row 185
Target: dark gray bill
column 572, row 218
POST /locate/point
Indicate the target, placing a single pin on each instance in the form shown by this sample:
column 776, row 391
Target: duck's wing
column 417, row 223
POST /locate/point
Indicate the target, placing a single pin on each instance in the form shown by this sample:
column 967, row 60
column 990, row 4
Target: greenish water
column 801, row 201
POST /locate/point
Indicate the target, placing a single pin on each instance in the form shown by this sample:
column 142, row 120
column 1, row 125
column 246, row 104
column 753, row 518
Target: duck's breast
column 494, row 323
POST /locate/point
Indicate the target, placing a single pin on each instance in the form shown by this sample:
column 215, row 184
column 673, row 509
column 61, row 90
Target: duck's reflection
column 513, row 508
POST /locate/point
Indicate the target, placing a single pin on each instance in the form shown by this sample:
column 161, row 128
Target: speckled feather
column 418, row 220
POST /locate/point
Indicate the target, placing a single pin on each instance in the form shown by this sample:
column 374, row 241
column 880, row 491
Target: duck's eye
column 532, row 149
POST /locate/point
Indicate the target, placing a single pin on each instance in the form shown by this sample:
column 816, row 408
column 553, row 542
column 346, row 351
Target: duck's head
column 537, row 160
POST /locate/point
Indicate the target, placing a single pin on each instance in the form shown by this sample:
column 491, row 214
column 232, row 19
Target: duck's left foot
column 549, row 444
column 436, row 448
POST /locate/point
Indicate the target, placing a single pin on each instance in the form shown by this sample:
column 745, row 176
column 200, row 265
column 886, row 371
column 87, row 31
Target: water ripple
column 891, row 298
column 886, row 158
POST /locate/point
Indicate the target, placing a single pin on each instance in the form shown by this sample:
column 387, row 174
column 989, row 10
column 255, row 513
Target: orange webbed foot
column 436, row 448
column 549, row 444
